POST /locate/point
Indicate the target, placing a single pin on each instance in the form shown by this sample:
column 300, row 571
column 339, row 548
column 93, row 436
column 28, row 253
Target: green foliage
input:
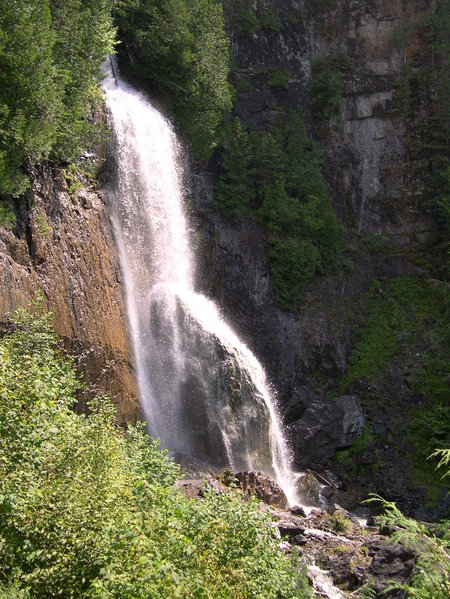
column 347, row 456
column 375, row 244
column 50, row 54
column 90, row 510
column 403, row 91
column 277, row 176
column 400, row 35
column 242, row 13
column 431, row 579
column 429, row 87
column 404, row 311
column 270, row 18
column 179, row 49
column 326, row 88
column 292, row 264
column 7, row 216
column 340, row 523
column 319, row 7
column 408, row 322
column 233, row 189
column 279, row 80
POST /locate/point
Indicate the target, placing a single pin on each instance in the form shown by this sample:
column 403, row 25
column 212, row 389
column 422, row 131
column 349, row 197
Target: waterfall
column 203, row 391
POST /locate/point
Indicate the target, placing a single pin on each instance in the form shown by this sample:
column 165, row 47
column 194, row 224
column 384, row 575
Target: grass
column 407, row 321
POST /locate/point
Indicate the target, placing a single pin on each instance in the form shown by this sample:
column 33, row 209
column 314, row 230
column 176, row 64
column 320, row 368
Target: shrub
column 7, row 216
column 279, row 80
column 89, row 510
column 326, row 88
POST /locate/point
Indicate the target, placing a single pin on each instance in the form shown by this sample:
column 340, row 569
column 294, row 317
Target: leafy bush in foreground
column 87, row 510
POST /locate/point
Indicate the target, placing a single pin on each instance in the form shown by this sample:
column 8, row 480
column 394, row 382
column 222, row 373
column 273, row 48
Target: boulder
column 308, row 489
column 325, row 427
column 391, row 562
column 263, row 487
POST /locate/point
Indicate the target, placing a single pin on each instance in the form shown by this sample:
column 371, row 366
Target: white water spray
column 203, row 391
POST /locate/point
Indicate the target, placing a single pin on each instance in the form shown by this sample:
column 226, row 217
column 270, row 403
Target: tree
column 179, row 50
column 50, row 57
column 29, row 97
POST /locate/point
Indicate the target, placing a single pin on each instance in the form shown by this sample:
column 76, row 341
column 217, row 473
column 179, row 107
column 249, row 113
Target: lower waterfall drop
column 203, row 392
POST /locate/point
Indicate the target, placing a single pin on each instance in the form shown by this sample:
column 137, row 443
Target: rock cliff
column 63, row 247
column 367, row 167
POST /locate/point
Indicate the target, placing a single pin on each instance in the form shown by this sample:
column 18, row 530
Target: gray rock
column 324, row 427
column 308, row 489
column 390, row 563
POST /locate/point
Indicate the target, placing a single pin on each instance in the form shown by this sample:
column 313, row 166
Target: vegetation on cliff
column 431, row 578
column 179, row 50
column 50, row 57
column 424, row 97
column 88, row 510
column 276, row 175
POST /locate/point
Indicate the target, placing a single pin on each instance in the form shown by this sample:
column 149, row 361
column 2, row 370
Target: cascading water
column 203, row 392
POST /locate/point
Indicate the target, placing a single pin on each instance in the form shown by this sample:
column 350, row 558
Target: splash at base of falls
column 203, row 391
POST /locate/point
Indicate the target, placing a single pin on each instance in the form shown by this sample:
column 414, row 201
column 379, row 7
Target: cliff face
column 367, row 169
column 62, row 245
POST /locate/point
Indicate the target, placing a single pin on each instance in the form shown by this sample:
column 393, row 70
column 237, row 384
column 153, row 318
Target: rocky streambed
column 344, row 556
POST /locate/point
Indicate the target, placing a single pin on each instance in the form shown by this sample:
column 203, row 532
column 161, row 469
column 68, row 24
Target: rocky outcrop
column 366, row 166
column 324, row 427
column 62, row 246
column 345, row 559
column 262, row 487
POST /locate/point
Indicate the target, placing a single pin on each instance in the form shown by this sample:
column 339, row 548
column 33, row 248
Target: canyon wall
column 367, row 167
column 62, row 246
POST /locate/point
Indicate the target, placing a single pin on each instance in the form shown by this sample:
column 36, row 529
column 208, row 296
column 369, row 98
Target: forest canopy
column 50, row 57
column 179, row 49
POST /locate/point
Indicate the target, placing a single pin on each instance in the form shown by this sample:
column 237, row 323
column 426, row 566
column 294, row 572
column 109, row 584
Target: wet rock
column 263, row 487
column 299, row 540
column 308, row 489
column 193, row 488
column 324, row 427
column 322, row 584
column 297, row 510
column 290, row 529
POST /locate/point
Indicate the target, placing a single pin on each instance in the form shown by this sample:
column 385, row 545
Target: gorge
column 296, row 210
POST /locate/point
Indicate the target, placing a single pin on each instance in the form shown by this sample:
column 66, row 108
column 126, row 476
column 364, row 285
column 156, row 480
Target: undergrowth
column 90, row 510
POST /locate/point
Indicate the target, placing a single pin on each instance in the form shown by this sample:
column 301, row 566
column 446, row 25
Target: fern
column 431, row 579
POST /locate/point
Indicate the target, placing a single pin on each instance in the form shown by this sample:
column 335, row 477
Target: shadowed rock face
column 324, row 427
column 63, row 247
column 369, row 171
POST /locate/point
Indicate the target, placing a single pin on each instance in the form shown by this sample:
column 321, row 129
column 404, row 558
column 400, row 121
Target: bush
column 326, row 88
column 89, row 510
column 279, row 80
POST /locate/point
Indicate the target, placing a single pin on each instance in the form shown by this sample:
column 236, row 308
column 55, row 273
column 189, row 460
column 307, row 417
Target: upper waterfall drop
column 203, row 391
